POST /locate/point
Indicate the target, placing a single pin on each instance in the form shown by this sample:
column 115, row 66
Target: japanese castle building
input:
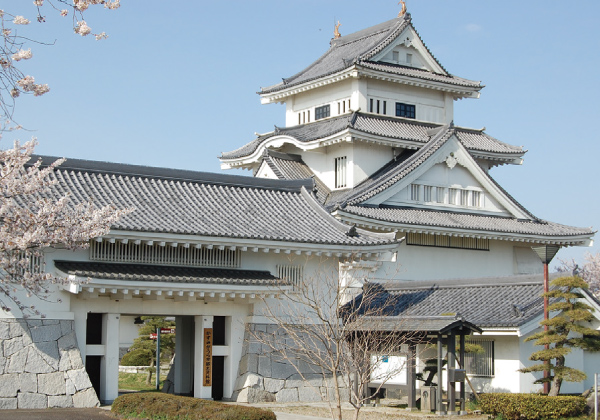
column 370, row 168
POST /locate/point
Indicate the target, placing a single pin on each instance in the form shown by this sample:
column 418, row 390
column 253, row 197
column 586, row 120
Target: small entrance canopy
column 428, row 329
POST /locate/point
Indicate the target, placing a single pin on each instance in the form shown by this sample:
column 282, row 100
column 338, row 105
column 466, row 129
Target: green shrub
column 140, row 357
column 531, row 406
column 156, row 405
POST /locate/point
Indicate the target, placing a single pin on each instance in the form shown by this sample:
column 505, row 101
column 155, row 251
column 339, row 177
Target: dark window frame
column 322, row 112
column 406, row 110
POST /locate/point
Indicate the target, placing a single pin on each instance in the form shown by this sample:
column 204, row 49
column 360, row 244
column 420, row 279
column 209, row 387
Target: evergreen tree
column 566, row 330
column 144, row 342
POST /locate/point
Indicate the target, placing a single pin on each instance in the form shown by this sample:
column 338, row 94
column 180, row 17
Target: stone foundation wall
column 264, row 376
column 41, row 366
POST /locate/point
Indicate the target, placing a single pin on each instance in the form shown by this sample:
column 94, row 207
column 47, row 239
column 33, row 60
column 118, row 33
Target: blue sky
column 175, row 83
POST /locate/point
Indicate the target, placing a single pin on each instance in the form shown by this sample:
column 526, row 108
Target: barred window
column 291, row 274
column 480, row 364
column 414, row 192
column 340, row 172
column 444, row 241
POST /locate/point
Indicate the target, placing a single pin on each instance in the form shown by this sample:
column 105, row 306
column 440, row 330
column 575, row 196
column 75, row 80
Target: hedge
column 156, row 405
column 531, row 406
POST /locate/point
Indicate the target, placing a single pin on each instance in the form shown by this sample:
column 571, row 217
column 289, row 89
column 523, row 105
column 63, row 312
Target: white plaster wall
column 128, row 330
column 322, row 163
column 265, row 172
column 506, row 366
column 431, row 263
column 430, row 104
column 329, row 94
column 369, row 158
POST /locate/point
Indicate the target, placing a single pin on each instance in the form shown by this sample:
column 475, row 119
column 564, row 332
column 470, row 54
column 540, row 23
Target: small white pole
column 595, row 396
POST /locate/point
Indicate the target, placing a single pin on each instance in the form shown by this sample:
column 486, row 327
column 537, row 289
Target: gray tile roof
column 428, row 324
column 390, row 128
column 495, row 303
column 408, row 217
column 357, row 49
column 206, row 204
column 290, row 166
column 167, row 274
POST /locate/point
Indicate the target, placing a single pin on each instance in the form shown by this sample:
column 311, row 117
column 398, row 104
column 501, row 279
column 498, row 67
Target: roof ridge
column 169, row 174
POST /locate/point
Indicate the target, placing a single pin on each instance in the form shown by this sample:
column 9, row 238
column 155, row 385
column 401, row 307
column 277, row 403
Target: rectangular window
column 442, row 241
column 414, row 192
column 370, row 105
column 378, row 101
column 307, row 116
column 480, row 364
column 344, row 106
column 292, row 275
column 322, row 112
column 408, row 59
column 299, row 118
column 384, row 107
column 340, row 172
column 396, row 56
column 339, row 108
column 405, row 110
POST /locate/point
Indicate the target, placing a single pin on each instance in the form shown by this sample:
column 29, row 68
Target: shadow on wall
column 484, row 385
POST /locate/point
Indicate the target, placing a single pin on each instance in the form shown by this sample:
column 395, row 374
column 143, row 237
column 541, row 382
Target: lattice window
column 444, row 241
column 475, row 199
column 480, row 364
column 322, row 112
column 167, row 254
column 292, row 274
column 427, row 193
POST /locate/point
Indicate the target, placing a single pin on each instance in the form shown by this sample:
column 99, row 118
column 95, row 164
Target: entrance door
column 218, row 370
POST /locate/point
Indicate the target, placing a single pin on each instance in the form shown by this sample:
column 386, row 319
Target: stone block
column 79, row 378
column 31, row 323
column 264, row 366
column 273, row 385
column 18, row 328
column 49, row 352
column 28, row 382
column 69, row 386
column 66, row 327
column 50, row 321
column 8, row 403
column 86, row 399
column 12, row 346
column 254, row 348
column 309, row 394
column 65, row 361
column 259, row 396
column 260, row 327
column 46, row 333
column 16, row 362
column 287, row 395
column 5, row 330
column 240, row 396
column 9, row 385
column 282, row 370
column 29, row 400
column 67, row 341
column 51, row 383
column 36, row 363
column 3, row 362
column 60, row 401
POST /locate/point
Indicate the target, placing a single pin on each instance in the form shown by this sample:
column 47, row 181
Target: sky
column 175, row 83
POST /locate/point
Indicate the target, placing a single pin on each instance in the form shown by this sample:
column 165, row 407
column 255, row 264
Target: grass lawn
column 137, row 381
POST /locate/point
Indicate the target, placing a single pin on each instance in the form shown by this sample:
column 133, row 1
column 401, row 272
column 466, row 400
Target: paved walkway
column 102, row 413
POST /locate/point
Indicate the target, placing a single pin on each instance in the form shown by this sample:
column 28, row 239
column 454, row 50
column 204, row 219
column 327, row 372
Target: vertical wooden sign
column 208, row 344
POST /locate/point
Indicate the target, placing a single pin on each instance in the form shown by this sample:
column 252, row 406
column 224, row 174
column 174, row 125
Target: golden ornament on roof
column 403, row 11
column 336, row 31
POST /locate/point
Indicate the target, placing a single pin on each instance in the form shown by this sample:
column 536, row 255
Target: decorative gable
column 449, row 179
column 409, row 50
